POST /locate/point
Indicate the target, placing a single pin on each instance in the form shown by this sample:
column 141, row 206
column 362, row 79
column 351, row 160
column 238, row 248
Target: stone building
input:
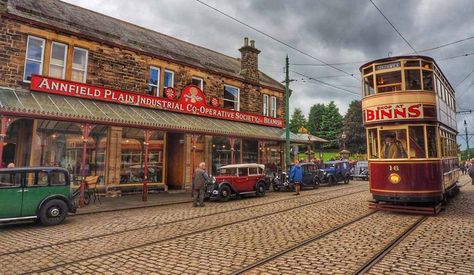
column 73, row 81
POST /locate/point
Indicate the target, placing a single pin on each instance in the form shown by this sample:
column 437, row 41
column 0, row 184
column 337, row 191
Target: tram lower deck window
column 394, row 144
column 417, row 142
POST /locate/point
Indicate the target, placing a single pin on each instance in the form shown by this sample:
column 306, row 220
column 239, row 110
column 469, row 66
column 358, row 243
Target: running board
column 18, row 219
column 413, row 209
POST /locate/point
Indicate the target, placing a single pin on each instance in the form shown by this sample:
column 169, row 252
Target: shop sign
column 393, row 112
column 191, row 101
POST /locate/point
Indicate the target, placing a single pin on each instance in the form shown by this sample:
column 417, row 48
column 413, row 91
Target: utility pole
column 467, row 140
column 287, row 112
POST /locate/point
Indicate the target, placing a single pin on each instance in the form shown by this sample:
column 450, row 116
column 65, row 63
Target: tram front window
column 369, row 85
column 432, row 137
column 417, row 142
column 427, row 80
column 412, row 79
column 389, row 82
column 394, row 144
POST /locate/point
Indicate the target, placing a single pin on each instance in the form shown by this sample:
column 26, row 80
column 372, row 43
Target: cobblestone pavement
column 30, row 259
column 441, row 245
column 27, row 236
column 222, row 250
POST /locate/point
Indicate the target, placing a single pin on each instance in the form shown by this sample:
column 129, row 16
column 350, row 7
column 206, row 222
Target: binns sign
column 191, row 101
column 393, row 112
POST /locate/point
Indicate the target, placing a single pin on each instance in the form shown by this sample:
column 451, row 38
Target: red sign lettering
column 191, row 101
column 393, row 112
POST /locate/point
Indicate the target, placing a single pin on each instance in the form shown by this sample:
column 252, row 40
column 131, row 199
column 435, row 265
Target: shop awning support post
column 232, row 150
column 287, row 112
column 146, row 143
column 85, row 135
column 3, row 133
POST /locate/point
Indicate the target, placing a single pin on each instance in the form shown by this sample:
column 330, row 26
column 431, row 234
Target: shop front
column 130, row 140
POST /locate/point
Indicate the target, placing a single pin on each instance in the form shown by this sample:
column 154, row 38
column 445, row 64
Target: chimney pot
column 252, row 43
column 246, row 41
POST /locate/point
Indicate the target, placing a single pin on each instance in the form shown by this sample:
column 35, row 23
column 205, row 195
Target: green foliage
column 297, row 120
column 354, row 129
column 331, row 126
column 314, row 118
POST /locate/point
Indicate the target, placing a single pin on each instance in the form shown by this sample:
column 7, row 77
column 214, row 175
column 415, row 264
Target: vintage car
column 360, row 170
column 336, row 171
column 311, row 178
column 237, row 180
column 41, row 193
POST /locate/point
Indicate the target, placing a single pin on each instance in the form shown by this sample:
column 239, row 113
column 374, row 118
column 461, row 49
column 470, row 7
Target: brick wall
column 118, row 68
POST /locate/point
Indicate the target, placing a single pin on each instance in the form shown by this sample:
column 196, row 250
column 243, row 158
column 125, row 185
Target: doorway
column 175, row 160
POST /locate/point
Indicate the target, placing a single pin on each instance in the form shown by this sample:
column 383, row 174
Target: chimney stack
column 249, row 61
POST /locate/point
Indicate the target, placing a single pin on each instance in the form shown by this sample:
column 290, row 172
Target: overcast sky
column 335, row 31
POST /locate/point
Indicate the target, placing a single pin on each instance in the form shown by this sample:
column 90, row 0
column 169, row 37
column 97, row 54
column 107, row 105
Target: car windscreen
column 227, row 171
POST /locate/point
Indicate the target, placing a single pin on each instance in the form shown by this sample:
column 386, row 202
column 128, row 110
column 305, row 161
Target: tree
column 331, row 126
column 354, row 129
column 297, row 120
column 314, row 118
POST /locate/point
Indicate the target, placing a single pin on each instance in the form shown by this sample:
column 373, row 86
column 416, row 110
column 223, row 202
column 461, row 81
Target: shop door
column 175, row 161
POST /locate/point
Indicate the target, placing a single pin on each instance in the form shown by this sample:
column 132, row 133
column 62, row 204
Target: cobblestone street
column 329, row 230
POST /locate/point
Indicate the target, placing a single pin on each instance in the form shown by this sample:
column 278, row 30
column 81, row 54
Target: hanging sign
column 191, row 101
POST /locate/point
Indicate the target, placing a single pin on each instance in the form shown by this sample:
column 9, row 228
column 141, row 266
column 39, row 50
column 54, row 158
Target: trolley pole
column 467, row 140
column 287, row 112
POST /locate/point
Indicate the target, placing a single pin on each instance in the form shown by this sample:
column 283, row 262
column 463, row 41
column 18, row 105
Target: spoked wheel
column 224, row 193
column 53, row 212
column 316, row 182
column 260, row 192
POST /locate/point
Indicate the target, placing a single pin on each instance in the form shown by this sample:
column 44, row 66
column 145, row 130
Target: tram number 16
column 393, row 168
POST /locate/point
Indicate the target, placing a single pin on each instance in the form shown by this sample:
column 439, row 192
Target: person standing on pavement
column 199, row 182
column 470, row 171
column 296, row 176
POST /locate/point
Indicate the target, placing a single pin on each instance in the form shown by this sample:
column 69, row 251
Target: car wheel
column 224, row 193
column 316, row 182
column 53, row 212
column 346, row 179
column 260, row 192
column 331, row 180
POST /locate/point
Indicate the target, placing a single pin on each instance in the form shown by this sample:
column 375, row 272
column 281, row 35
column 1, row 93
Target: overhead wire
column 276, row 39
column 325, row 83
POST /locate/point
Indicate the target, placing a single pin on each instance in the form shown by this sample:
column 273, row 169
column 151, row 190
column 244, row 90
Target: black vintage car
column 311, row 178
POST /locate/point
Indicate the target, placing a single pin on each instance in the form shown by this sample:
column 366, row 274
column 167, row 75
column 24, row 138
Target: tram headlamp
column 394, row 178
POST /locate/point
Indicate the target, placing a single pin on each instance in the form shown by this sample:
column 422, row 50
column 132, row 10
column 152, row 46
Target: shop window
column 417, row 142
column 412, row 80
column 373, row 148
column 249, row 151
column 231, row 98
column 57, row 63
column 153, row 81
column 168, row 79
column 389, row 82
column 273, row 106
column 34, row 57
column 394, row 144
column 79, row 65
column 265, row 105
column 369, row 85
column 222, row 152
column 427, row 80
column 198, row 82
column 271, row 156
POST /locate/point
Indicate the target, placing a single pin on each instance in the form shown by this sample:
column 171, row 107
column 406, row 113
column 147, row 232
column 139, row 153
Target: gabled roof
column 98, row 26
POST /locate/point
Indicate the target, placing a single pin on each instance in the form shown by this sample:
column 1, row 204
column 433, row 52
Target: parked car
column 336, row 171
column 41, row 193
column 237, row 180
column 311, row 178
column 360, row 170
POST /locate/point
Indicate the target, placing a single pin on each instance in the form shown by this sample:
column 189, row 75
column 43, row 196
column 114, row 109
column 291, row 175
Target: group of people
column 468, row 168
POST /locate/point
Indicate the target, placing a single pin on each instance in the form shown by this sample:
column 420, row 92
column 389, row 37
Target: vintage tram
column 410, row 119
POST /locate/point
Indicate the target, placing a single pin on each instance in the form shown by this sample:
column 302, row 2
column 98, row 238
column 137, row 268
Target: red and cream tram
column 410, row 118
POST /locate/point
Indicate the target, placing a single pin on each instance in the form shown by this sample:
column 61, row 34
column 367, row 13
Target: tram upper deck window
column 427, row 80
column 394, row 144
column 369, row 85
column 411, row 63
column 417, row 142
column 412, row 79
column 389, row 82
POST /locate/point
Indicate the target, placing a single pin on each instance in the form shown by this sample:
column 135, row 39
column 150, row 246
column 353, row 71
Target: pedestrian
column 296, row 176
column 199, row 181
column 470, row 171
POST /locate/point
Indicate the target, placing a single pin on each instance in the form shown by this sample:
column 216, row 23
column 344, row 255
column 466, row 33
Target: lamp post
column 343, row 137
column 467, row 141
column 287, row 112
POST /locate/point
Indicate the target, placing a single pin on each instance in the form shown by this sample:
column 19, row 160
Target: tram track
column 52, row 267
column 389, row 247
column 89, row 238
